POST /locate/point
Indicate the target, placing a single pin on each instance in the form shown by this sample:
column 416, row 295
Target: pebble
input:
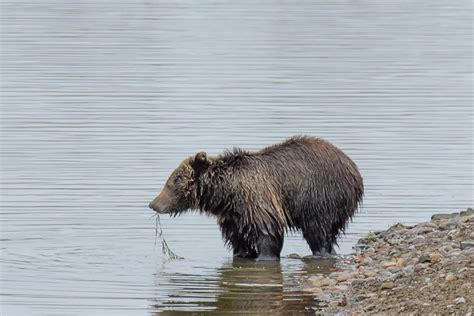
column 435, row 257
column 423, row 230
column 388, row 264
column 368, row 261
column 460, row 300
column 462, row 270
column 400, row 263
column 314, row 290
column 369, row 274
column 450, row 277
column 417, row 240
column 423, row 259
column 395, row 277
column 345, row 277
column 393, row 270
column 387, row 285
column 448, row 225
column 323, row 282
column 294, row 256
column 410, row 269
column 466, row 286
column 466, row 244
column 438, row 217
column 454, row 253
column 359, row 297
column 369, row 307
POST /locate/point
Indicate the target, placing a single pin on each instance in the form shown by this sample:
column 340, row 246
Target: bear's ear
column 201, row 157
column 200, row 161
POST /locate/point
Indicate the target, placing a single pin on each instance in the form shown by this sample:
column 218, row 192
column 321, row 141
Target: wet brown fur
column 304, row 183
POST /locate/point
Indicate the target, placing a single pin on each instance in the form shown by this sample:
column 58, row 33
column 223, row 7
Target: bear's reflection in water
column 246, row 286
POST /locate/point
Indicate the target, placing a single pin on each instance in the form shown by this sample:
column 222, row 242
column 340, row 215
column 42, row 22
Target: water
column 102, row 99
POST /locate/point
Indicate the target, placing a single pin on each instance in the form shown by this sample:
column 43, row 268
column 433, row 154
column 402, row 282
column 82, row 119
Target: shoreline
column 427, row 268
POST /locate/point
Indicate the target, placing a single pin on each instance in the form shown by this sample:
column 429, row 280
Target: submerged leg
column 269, row 247
column 244, row 252
column 315, row 239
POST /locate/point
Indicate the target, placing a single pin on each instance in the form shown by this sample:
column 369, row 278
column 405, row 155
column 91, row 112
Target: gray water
column 102, row 99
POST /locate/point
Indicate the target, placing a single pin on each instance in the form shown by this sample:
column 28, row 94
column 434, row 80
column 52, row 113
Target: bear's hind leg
column 331, row 241
column 269, row 247
column 315, row 239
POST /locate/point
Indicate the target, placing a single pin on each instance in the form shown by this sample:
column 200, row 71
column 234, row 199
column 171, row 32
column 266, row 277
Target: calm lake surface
column 102, row 99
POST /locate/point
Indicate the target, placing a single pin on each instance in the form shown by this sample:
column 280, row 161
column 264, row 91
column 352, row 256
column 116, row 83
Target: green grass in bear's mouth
column 164, row 245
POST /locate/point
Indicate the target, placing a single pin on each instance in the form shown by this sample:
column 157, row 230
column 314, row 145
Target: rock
column 346, row 276
column 424, row 229
column 437, row 217
column 417, row 240
column 341, row 288
column 294, row 256
column 394, row 241
column 468, row 212
column 435, row 257
column 445, row 249
column 466, row 244
column 469, row 219
column 409, row 270
column 448, row 225
column 369, row 307
column 459, row 300
column 466, row 286
column 313, row 290
column 339, row 302
column 388, row 264
column 412, row 302
column 400, row 263
column 322, row 282
column 387, row 285
column 395, row 277
column 360, row 247
column 393, row 270
column 462, row 270
column 359, row 297
column 454, row 253
column 369, row 274
column 368, row 261
column 423, row 259
column 450, row 277
column 421, row 266
column 370, row 238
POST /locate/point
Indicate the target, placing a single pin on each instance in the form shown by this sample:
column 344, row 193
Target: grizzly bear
column 304, row 183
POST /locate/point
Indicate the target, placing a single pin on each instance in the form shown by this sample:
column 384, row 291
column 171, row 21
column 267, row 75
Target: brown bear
column 304, row 183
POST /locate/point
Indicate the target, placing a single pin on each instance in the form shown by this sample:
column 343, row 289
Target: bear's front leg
column 242, row 250
column 269, row 247
column 243, row 253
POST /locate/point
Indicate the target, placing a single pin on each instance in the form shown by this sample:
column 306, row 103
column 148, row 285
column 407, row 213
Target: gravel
column 423, row 269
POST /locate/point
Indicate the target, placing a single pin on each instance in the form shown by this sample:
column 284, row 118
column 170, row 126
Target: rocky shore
column 423, row 269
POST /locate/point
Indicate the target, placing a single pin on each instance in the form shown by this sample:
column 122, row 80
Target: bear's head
column 180, row 191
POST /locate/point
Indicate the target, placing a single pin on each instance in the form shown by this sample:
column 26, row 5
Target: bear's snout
column 155, row 207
